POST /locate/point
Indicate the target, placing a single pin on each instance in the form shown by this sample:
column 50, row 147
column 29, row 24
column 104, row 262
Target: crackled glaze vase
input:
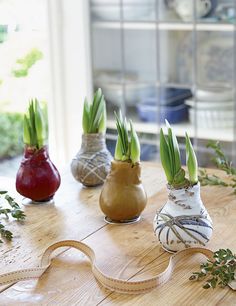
column 183, row 221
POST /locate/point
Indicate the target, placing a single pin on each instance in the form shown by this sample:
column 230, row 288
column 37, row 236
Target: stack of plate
column 132, row 9
column 213, row 109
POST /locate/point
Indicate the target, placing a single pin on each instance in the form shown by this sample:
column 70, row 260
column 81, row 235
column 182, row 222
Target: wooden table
column 125, row 251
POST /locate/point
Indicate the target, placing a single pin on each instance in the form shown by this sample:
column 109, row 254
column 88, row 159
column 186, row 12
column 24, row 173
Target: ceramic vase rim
column 171, row 188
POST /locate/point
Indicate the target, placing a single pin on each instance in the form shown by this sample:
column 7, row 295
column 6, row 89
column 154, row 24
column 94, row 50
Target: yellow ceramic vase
column 123, row 197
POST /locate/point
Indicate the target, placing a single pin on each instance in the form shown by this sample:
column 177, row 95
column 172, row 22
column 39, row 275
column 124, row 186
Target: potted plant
column 183, row 221
column 92, row 163
column 123, row 197
column 37, row 178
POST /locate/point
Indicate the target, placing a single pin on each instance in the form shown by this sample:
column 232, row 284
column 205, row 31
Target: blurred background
column 154, row 59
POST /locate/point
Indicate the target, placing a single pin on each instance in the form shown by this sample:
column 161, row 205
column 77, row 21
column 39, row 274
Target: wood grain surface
column 125, row 251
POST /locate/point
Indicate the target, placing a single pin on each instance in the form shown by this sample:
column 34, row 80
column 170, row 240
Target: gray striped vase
column 183, row 221
column 92, row 163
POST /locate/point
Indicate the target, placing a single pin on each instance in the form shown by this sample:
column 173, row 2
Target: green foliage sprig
column 94, row 114
column 36, row 125
column 220, row 159
column 14, row 211
column 127, row 145
column 220, row 271
column 222, row 163
column 171, row 162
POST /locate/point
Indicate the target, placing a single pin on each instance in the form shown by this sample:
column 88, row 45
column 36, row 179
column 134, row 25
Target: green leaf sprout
column 35, row 125
column 171, row 161
column 94, row 114
column 191, row 162
column 127, row 145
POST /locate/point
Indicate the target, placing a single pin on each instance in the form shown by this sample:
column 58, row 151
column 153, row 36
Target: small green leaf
column 191, row 162
column 26, row 131
column 103, row 122
column 118, row 150
column 134, row 146
column 127, row 149
column 123, row 133
column 86, row 119
column 35, row 125
column 94, row 109
column 98, row 115
column 3, row 192
column 94, row 115
column 165, row 157
column 39, row 125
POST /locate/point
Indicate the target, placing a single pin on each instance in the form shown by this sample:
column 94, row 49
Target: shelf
column 198, row 26
column 174, row 26
column 170, row 84
column 180, row 129
column 125, row 25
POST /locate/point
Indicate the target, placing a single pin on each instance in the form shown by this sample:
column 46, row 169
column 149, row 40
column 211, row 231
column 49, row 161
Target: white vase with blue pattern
column 183, row 221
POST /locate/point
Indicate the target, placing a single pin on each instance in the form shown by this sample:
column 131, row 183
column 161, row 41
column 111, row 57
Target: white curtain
column 71, row 74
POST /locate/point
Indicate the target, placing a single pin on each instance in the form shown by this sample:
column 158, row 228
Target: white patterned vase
column 183, row 221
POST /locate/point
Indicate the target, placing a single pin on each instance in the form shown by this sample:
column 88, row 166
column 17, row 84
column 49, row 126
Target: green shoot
column 134, row 146
column 94, row 114
column 171, row 162
column 165, row 157
column 35, row 125
column 127, row 148
column 191, row 161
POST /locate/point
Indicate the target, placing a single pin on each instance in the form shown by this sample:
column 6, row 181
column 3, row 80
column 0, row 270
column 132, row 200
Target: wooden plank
column 73, row 278
column 73, row 216
column 123, row 251
column 20, row 253
column 180, row 291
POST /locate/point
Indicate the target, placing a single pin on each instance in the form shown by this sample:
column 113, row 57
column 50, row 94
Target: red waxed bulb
column 37, row 178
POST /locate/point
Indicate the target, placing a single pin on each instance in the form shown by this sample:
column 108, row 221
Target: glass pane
column 176, row 10
column 105, row 10
column 127, row 10
column 176, row 60
column 140, row 55
column 144, row 116
column 25, row 71
column 107, row 66
column 213, row 110
column 215, row 52
column 167, row 11
column 139, row 10
column 205, row 155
